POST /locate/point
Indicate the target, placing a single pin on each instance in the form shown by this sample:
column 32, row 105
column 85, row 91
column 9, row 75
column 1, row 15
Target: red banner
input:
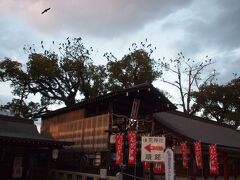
column 184, row 154
column 119, row 148
column 158, row 168
column 132, row 139
column 198, row 154
column 213, row 160
column 146, row 166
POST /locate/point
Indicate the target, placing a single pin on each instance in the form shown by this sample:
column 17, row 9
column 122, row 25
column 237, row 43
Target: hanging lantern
column 119, row 149
column 132, row 139
column 198, row 154
column 213, row 160
column 184, row 154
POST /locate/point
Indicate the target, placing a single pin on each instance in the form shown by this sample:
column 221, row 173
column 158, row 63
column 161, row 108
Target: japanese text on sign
column 152, row 149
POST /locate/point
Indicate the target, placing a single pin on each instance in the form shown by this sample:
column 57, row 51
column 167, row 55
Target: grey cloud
column 209, row 24
column 14, row 36
column 210, row 27
column 99, row 18
column 226, row 65
column 228, row 24
column 223, row 31
column 4, row 99
column 9, row 36
column 5, row 93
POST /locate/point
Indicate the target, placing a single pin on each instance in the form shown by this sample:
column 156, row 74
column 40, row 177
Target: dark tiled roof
column 18, row 127
column 144, row 86
column 197, row 128
column 23, row 130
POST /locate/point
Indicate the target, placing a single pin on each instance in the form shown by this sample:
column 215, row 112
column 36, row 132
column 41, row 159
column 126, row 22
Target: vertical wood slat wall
column 88, row 134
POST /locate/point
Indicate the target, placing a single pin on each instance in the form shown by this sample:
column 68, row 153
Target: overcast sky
column 195, row 27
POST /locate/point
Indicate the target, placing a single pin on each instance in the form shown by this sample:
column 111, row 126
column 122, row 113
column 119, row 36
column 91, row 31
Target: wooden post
column 225, row 166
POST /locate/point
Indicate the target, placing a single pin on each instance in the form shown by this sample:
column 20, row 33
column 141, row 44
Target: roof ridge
column 202, row 119
column 108, row 95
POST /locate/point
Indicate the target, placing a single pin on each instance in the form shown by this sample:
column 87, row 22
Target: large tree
column 134, row 68
column 186, row 75
column 56, row 77
column 61, row 77
column 219, row 102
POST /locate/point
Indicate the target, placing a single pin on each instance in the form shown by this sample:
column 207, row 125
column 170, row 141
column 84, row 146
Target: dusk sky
column 195, row 27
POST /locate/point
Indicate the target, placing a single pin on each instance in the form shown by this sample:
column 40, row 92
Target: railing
column 71, row 175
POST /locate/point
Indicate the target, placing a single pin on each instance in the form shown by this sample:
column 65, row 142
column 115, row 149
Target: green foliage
column 55, row 77
column 64, row 76
column 67, row 75
column 135, row 68
column 219, row 102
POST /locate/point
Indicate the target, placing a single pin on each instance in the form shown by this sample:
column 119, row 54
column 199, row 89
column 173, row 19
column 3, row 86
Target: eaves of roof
column 196, row 128
column 144, row 86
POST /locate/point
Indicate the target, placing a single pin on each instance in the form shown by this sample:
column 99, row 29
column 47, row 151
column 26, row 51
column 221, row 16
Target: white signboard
column 103, row 173
column 17, row 167
column 152, row 149
column 55, row 153
column 112, row 139
column 169, row 164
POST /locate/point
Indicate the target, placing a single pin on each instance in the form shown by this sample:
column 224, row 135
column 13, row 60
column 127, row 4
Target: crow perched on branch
column 45, row 10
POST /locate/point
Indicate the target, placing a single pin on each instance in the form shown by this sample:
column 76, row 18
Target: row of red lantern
column 213, row 160
column 132, row 152
column 132, row 139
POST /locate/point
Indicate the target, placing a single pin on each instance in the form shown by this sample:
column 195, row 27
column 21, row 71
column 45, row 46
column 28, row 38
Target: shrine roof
column 24, row 131
column 197, row 128
column 141, row 90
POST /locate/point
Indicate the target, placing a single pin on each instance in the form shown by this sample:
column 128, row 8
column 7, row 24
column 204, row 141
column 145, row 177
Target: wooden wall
column 89, row 134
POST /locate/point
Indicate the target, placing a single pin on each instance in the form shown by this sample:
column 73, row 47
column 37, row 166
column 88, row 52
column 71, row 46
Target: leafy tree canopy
column 219, row 102
column 56, row 77
column 137, row 67
column 70, row 74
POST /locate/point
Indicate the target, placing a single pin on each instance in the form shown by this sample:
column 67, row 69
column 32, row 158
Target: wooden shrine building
column 24, row 153
column 92, row 125
column 179, row 127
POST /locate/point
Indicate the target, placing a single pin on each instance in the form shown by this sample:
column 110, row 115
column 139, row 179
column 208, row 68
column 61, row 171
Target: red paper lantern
column 132, row 139
column 119, row 149
column 184, row 154
column 213, row 160
column 198, row 154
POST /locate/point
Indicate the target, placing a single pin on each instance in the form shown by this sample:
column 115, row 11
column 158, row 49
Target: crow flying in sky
column 45, row 10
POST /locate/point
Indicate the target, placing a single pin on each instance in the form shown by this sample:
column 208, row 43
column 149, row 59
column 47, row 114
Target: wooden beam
column 135, row 108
